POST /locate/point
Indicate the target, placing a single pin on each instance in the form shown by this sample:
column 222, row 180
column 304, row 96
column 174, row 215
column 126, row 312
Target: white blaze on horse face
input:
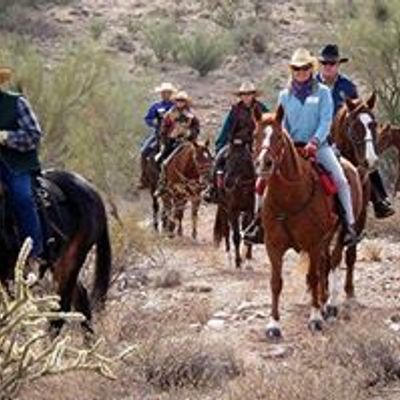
column 266, row 142
column 370, row 155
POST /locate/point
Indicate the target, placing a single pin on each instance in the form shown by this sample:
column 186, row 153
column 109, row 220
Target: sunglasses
column 302, row 68
column 247, row 93
column 329, row 62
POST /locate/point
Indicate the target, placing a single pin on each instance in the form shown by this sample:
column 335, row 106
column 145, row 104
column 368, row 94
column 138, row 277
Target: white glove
column 3, row 137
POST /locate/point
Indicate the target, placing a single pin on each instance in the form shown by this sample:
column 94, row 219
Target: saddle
column 49, row 200
column 324, row 176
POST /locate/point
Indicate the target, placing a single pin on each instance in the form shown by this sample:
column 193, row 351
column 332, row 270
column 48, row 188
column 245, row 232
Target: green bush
column 161, row 37
column 90, row 109
column 372, row 38
column 204, row 51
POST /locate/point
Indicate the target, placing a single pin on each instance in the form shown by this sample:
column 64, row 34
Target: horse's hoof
column 330, row 312
column 273, row 333
column 315, row 325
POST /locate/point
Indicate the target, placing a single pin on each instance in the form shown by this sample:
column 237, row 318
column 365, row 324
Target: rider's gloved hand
column 311, row 148
column 3, row 137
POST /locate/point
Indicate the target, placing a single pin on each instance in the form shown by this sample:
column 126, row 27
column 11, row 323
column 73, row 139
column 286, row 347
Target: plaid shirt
column 27, row 136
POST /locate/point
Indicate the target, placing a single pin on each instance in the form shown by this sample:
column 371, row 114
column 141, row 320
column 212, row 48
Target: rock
column 245, row 306
column 395, row 318
column 276, row 351
column 258, row 43
column 199, row 288
column 394, row 327
column 221, row 315
column 216, row 324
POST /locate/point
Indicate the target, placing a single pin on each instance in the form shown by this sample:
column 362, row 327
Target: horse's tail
column 102, row 276
column 221, row 227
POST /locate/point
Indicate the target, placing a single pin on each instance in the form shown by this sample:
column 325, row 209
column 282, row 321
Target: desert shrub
column 372, row 38
column 187, row 362
column 27, row 352
column 204, row 51
column 354, row 360
column 162, row 37
column 91, row 115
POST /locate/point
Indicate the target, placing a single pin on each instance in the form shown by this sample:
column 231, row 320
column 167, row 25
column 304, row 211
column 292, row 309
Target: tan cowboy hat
column 182, row 95
column 247, row 87
column 5, row 74
column 165, row 87
column 302, row 57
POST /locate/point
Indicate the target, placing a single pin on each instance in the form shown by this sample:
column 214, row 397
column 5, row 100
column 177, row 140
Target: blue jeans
column 20, row 191
column 149, row 145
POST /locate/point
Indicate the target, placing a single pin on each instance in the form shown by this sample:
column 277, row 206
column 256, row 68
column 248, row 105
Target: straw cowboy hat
column 5, row 74
column 330, row 53
column 247, row 87
column 302, row 57
column 165, row 87
column 182, row 95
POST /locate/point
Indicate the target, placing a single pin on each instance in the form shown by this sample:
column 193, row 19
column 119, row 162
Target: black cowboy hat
column 331, row 53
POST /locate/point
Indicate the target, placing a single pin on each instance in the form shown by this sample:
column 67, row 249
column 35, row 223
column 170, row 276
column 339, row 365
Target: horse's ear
column 279, row 114
column 351, row 105
column 372, row 100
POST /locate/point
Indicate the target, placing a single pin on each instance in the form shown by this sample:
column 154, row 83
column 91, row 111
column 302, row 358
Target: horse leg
column 351, row 256
column 66, row 271
column 156, row 209
column 273, row 329
column 248, row 218
column 178, row 215
column 236, row 239
column 313, row 278
column 195, row 213
column 82, row 304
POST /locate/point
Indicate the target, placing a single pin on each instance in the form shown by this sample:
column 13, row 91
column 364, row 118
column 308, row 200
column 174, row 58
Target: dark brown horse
column 236, row 200
column 75, row 222
column 151, row 173
column 297, row 214
column 354, row 132
column 185, row 170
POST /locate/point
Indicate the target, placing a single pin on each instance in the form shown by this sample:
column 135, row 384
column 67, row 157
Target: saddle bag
column 326, row 180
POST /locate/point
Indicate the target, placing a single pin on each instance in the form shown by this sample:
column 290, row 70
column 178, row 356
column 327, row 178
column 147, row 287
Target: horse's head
column 239, row 166
column 360, row 131
column 202, row 156
column 274, row 143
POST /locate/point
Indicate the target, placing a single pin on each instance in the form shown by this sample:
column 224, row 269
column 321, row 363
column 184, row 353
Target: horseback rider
column 178, row 124
column 342, row 87
column 308, row 107
column 239, row 124
column 153, row 120
column 20, row 136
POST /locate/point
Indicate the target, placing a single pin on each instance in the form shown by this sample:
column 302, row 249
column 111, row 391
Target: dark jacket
column 341, row 89
column 240, row 123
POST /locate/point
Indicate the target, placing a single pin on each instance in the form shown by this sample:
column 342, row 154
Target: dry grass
column 188, row 362
column 353, row 363
column 373, row 251
column 168, row 279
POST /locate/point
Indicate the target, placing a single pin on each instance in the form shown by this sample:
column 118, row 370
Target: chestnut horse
column 237, row 199
column 354, row 132
column 389, row 136
column 297, row 214
column 186, row 170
